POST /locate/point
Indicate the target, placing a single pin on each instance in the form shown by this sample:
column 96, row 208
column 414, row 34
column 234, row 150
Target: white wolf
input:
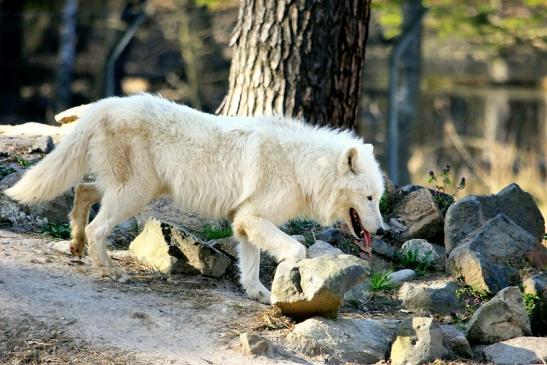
column 258, row 172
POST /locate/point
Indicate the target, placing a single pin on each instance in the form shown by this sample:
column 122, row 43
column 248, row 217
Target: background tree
column 67, row 54
column 298, row 57
column 11, row 48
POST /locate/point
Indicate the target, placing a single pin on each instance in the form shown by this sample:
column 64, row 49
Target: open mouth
column 360, row 231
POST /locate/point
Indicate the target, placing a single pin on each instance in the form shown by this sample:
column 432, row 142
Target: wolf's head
column 357, row 192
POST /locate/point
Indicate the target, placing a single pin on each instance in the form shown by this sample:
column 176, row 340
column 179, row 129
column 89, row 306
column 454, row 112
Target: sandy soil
column 54, row 307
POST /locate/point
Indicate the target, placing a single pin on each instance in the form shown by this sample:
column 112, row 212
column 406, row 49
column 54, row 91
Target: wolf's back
column 59, row 170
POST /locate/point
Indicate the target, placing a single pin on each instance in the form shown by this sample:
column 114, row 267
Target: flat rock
column 420, row 214
column 455, row 341
column 322, row 248
column 437, row 297
column 473, row 211
column 517, row 351
column 432, row 253
column 501, row 318
column 490, row 257
column 312, row 287
column 170, row 249
column 418, row 340
column 359, row 341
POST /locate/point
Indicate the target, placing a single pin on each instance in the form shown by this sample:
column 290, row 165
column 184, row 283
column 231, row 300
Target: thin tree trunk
column 67, row 55
column 302, row 58
column 11, row 46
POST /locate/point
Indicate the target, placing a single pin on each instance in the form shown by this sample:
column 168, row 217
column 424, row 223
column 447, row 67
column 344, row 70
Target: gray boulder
column 382, row 248
column 312, row 287
column 517, row 351
column 322, row 248
column 434, row 254
column 489, row 258
column 418, row 340
column 420, row 214
column 170, row 249
column 437, row 297
column 359, row 341
column 455, row 341
column 471, row 212
column 501, row 318
column 330, row 235
column 536, row 285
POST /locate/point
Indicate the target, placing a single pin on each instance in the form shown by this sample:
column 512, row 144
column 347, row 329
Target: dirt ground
column 55, row 309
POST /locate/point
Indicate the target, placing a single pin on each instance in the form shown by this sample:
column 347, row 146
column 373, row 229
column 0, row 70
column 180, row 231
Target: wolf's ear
column 348, row 161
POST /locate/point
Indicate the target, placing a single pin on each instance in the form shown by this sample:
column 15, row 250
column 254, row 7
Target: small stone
column 401, row 276
column 501, row 318
column 330, row 235
column 382, row 248
column 300, row 238
column 312, row 287
column 322, row 248
column 437, row 297
column 536, row 285
column 418, row 340
column 455, row 341
column 253, row 344
column 358, row 341
column 427, row 252
column 227, row 246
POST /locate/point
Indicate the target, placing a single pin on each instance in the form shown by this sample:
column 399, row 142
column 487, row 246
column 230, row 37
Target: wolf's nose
column 380, row 232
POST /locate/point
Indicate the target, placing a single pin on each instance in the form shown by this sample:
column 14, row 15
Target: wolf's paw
column 77, row 248
column 297, row 251
column 260, row 293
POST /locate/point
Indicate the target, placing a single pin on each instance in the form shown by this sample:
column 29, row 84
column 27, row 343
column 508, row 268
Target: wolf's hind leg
column 86, row 194
column 249, row 267
column 116, row 206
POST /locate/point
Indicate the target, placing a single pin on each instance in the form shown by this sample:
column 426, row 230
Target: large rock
column 359, row 341
column 253, row 344
column 434, row 297
column 418, row 340
column 518, row 351
column 536, row 285
column 382, row 248
column 501, row 318
column 322, row 248
column 420, row 214
column 427, row 252
column 471, row 212
column 312, row 287
column 331, row 235
column 489, row 258
column 169, row 249
column 455, row 341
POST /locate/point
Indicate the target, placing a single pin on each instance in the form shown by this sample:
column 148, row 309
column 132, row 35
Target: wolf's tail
column 59, row 170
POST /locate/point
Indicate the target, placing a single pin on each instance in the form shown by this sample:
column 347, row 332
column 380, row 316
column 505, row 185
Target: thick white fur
column 258, row 172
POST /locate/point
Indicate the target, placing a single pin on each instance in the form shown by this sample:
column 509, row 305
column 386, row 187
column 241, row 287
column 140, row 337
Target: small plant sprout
column 446, row 182
column 381, row 281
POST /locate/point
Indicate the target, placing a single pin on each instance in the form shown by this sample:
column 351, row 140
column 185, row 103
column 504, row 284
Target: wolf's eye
column 369, row 197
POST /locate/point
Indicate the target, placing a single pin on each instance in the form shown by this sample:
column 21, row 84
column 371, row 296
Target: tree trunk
column 302, row 58
column 409, row 88
column 11, row 46
column 67, row 55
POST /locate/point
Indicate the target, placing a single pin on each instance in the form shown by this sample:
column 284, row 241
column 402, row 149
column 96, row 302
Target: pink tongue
column 367, row 239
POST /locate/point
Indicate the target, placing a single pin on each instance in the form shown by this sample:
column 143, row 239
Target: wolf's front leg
column 255, row 233
column 249, row 268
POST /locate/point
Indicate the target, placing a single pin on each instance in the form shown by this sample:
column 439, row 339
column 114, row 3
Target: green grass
column 23, row 163
column 379, row 281
column 471, row 298
column 212, row 232
column 410, row 259
column 57, row 230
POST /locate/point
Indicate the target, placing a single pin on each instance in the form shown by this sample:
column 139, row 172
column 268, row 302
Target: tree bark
column 11, row 49
column 302, row 58
column 67, row 55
